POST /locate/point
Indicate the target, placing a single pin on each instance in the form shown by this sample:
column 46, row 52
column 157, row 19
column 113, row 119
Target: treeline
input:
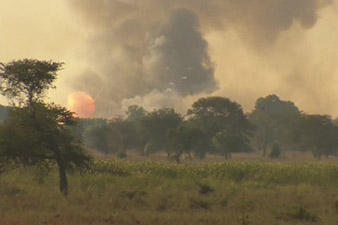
column 213, row 125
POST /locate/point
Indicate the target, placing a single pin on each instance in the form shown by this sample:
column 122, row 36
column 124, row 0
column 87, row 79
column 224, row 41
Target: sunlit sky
column 300, row 65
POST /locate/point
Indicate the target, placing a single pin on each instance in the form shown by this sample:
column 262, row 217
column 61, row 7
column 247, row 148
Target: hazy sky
column 170, row 52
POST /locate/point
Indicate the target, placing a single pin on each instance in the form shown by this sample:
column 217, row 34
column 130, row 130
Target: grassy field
column 155, row 193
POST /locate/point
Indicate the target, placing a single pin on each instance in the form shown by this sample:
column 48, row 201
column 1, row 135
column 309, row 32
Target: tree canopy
column 273, row 119
column 27, row 80
column 319, row 134
column 221, row 119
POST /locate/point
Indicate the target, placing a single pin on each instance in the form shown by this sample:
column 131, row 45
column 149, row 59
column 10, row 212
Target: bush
column 199, row 204
column 122, row 155
column 205, row 189
column 298, row 213
column 276, row 151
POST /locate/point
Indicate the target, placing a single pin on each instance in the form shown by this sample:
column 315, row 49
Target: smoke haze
column 160, row 53
column 142, row 50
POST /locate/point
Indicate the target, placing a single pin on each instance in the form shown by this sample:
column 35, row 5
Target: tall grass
column 133, row 192
column 271, row 173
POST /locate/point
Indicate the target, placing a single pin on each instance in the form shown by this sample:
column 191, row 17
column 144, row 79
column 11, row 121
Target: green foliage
column 275, row 121
column 82, row 124
column 125, row 192
column 224, row 123
column 32, row 139
column 216, row 114
column 238, row 172
column 96, row 136
column 157, row 124
column 35, row 132
column 318, row 133
column 122, row 155
column 135, row 112
column 122, row 134
column 227, row 142
column 186, row 139
column 26, row 81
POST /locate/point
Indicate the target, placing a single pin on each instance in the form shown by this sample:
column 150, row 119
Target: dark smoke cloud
column 138, row 47
column 178, row 59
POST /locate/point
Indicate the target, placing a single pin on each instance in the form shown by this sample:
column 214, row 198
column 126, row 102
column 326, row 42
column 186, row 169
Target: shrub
column 199, row 204
column 275, row 151
column 298, row 213
column 122, row 155
column 205, row 189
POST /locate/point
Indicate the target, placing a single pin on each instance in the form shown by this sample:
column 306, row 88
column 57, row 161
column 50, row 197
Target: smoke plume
column 144, row 49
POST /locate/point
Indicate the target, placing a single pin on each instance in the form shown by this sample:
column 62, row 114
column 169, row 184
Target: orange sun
column 82, row 104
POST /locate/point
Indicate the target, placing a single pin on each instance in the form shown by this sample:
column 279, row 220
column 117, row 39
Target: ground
column 238, row 192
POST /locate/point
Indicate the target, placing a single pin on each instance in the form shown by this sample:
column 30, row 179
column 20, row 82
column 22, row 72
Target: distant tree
column 186, row 139
column 96, row 136
column 122, row 133
column 274, row 120
column 36, row 132
column 221, row 119
column 135, row 112
column 227, row 142
column 157, row 124
column 275, row 151
column 134, row 115
column 82, row 124
column 318, row 134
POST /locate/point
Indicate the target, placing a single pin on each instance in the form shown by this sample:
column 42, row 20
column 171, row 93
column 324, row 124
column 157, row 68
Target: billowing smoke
column 140, row 49
column 178, row 59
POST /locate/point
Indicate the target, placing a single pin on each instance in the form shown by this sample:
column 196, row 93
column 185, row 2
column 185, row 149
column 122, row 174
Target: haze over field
column 171, row 52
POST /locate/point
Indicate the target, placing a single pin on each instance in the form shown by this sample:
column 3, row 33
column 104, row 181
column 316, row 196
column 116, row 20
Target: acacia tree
column 186, row 139
column 26, row 81
column 96, row 136
column 157, row 124
column 123, row 133
column 36, row 132
column 135, row 112
column 224, row 122
column 274, row 120
column 227, row 142
column 318, row 134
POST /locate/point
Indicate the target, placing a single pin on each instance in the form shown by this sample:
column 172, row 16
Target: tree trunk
column 63, row 184
column 63, row 181
column 266, row 140
column 264, row 150
column 226, row 154
column 177, row 156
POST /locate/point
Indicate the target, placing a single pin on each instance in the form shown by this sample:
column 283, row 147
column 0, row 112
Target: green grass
column 265, row 173
column 129, row 192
